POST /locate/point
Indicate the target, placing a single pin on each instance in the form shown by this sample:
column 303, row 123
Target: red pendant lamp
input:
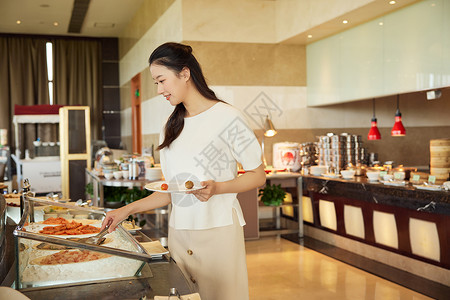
column 398, row 129
column 374, row 133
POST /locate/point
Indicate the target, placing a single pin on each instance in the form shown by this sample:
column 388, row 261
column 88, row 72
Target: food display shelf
column 68, row 262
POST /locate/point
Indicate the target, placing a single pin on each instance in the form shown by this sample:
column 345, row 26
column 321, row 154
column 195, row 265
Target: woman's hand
column 207, row 192
column 114, row 217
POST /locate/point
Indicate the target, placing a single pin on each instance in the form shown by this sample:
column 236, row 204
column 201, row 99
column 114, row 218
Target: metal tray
column 132, row 259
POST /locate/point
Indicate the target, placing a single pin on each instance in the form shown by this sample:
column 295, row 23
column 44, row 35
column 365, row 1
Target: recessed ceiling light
column 392, row 2
column 345, row 21
column 309, row 36
column 381, row 23
column 55, row 23
column 18, row 22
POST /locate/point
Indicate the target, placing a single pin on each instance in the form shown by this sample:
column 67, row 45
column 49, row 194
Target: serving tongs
column 95, row 240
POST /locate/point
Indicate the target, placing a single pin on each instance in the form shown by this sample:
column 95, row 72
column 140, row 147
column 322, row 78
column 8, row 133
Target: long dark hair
column 177, row 56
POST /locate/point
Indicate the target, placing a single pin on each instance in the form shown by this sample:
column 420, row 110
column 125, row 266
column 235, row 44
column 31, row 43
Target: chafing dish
column 124, row 258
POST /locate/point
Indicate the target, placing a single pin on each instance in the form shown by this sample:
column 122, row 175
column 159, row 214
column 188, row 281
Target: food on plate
column 164, row 186
column 189, row 184
column 70, row 228
column 69, row 257
column 54, row 209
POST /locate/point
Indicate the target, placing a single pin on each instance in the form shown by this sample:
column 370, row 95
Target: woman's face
column 171, row 85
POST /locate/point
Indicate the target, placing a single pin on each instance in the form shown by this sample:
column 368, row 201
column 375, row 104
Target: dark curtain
column 23, row 81
column 77, row 77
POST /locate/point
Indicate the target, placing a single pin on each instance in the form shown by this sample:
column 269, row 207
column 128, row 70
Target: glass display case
column 50, row 250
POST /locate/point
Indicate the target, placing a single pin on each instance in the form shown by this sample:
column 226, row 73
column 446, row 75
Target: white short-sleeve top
column 208, row 148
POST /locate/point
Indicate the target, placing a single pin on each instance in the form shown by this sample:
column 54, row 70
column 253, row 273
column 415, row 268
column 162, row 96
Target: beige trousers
column 213, row 260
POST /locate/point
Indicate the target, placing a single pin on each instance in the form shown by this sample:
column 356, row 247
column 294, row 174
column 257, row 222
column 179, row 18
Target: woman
column 202, row 140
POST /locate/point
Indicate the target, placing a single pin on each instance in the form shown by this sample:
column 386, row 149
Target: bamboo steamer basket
column 440, row 158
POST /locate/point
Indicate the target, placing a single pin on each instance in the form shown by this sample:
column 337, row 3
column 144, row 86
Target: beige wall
column 238, row 71
column 145, row 18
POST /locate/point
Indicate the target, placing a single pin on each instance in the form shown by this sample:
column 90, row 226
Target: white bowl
column 317, row 170
column 373, row 176
column 37, row 143
column 108, row 175
column 348, row 173
column 125, row 174
column 153, row 173
column 117, row 174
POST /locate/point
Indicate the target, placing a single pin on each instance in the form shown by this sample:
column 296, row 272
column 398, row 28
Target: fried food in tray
column 69, row 257
column 68, row 228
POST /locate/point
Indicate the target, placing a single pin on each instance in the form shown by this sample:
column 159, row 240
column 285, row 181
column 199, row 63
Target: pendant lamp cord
column 373, row 102
column 398, row 100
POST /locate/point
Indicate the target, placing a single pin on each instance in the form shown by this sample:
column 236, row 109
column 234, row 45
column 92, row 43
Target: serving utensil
column 96, row 239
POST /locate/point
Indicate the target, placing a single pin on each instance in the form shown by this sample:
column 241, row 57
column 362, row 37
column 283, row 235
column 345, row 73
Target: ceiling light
column 381, row 23
column 345, row 21
column 18, row 22
column 309, row 36
column 374, row 133
column 55, row 23
column 392, row 2
column 398, row 129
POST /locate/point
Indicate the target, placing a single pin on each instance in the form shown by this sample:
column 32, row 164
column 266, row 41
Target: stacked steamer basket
column 354, row 152
column 339, row 151
column 308, row 154
column 331, row 152
column 440, row 158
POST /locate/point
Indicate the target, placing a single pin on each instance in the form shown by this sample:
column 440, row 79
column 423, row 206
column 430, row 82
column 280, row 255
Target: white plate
column 155, row 249
column 331, row 175
column 428, row 187
column 173, row 187
column 348, row 177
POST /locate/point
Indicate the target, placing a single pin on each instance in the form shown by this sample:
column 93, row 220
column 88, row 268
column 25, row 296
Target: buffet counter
column 22, row 265
column 402, row 226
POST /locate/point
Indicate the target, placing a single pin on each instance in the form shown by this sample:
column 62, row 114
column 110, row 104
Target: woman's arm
column 153, row 201
column 249, row 180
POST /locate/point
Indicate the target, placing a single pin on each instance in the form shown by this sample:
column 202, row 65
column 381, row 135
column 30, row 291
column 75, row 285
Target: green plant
column 272, row 195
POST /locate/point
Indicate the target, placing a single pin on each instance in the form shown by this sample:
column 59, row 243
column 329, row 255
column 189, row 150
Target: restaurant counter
column 374, row 219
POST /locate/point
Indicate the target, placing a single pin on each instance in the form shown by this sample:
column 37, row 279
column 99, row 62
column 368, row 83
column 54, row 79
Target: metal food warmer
column 48, row 260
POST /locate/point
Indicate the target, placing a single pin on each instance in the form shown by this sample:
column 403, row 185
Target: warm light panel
column 327, row 214
column 307, row 209
column 424, row 239
column 353, row 220
column 385, row 229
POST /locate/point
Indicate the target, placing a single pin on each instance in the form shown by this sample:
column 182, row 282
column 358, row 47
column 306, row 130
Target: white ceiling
column 104, row 18
column 108, row 18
